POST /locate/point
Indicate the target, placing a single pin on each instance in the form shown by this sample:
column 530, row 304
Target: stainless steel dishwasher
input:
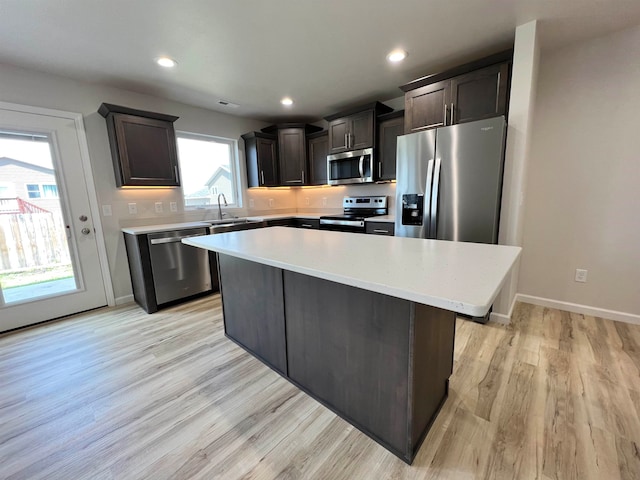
column 179, row 270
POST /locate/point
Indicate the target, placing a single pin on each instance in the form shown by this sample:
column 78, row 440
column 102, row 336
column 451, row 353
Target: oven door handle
column 361, row 166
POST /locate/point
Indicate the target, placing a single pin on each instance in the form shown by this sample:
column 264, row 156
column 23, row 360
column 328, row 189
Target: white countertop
column 164, row 228
column 457, row 276
column 259, row 218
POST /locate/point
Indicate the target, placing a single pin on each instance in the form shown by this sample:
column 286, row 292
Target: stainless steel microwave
column 350, row 167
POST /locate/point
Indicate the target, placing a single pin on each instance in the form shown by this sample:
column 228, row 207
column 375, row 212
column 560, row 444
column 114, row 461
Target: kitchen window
column 208, row 167
column 42, row 190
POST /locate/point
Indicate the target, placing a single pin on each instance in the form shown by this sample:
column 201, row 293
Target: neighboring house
column 219, row 182
column 30, row 183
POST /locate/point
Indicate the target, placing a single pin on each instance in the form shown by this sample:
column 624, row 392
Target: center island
column 365, row 324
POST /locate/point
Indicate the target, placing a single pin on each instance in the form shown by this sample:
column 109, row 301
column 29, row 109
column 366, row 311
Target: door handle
column 85, row 231
column 426, row 219
column 434, row 198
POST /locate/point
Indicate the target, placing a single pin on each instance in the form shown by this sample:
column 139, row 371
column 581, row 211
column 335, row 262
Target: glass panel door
column 49, row 258
column 35, row 260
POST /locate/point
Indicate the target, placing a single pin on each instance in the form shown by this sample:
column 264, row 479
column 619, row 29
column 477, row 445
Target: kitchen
column 563, row 193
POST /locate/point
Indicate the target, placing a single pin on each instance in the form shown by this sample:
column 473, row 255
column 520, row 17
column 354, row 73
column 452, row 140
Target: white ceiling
column 325, row 54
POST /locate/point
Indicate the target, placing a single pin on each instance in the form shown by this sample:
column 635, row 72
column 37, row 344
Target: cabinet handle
column 380, row 169
column 306, row 225
column 498, row 94
column 302, row 176
column 175, row 168
column 346, row 141
column 262, row 176
column 445, row 115
column 451, row 114
column 375, row 230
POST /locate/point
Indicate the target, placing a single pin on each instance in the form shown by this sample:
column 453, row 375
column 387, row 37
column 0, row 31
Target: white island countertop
column 457, row 276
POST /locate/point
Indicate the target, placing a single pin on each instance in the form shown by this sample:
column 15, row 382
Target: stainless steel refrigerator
column 449, row 182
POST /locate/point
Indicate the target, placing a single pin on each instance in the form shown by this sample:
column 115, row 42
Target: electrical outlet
column 158, row 207
column 581, row 275
column 307, row 201
column 252, row 204
column 324, row 201
column 173, row 206
column 106, row 211
column 133, row 209
column 271, row 202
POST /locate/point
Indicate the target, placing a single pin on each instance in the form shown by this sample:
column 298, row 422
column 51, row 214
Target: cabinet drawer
column 308, row 223
column 380, row 228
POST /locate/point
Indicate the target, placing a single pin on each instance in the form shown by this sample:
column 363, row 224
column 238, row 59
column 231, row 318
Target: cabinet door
column 318, row 150
column 267, row 162
column 146, row 151
column 480, row 94
column 388, row 132
column 426, row 107
column 338, row 130
column 360, row 134
column 292, row 156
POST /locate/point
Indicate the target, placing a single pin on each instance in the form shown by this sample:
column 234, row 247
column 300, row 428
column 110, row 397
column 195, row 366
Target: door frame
column 83, row 146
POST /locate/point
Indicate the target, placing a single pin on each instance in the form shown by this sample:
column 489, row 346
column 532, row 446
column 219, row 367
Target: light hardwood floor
column 117, row 393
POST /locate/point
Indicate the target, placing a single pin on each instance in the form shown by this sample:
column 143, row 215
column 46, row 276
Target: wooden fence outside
column 32, row 240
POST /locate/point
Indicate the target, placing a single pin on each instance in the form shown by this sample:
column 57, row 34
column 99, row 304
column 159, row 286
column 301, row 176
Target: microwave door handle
column 361, row 166
column 426, row 220
column 434, row 199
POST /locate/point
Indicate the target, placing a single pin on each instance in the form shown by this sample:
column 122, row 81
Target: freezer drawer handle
column 159, row 241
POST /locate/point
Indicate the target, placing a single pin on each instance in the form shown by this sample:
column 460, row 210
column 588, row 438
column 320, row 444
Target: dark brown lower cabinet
column 380, row 362
column 253, row 309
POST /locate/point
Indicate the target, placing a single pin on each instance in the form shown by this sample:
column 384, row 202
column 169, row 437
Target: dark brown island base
column 379, row 361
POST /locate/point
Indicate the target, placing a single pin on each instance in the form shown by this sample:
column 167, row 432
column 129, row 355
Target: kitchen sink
column 229, row 221
column 236, row 225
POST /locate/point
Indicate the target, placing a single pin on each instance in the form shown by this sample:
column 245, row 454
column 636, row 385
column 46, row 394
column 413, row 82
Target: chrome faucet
column 220, row 214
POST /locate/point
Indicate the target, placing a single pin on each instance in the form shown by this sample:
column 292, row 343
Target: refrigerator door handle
column 427, row 199
column 434, row 200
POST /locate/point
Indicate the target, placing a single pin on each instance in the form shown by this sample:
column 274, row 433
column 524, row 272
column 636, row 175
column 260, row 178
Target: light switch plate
column 324, row 201
column 106, row 211
column 271, row 202
column 252, row 204
column 173, row 206
column 581, row 275
column 133, row 209
column 158, row 207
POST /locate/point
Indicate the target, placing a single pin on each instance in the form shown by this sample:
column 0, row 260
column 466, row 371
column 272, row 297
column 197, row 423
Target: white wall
column 583, row 206
column 521, row 107
column 43, row 90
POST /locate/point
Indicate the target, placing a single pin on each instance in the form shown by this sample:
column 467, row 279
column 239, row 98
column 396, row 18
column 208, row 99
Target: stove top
column 356, row 209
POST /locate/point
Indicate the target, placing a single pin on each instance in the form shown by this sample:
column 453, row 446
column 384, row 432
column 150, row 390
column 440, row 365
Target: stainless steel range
column 355, row 210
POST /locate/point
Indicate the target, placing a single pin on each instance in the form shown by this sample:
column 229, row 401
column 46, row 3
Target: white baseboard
column 577, row 308
column 124, row 299
column 501, row 318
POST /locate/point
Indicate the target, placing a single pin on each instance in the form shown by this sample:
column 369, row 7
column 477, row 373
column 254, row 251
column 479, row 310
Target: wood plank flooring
column 119, row 394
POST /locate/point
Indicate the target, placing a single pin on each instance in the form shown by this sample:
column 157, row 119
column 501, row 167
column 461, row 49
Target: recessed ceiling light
column 286, row 101
column 166, row 62
column 397, row 55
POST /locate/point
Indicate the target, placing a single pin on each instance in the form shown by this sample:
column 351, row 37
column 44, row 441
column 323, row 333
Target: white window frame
column 234, row 164
column 41, row 190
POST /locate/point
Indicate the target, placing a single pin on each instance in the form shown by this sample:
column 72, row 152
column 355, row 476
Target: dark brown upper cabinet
column 318, row 146
column 390, row 126
column 354, row 129
column 292, row 151
column 470, row 92
column 143, row 147
column 262, row 159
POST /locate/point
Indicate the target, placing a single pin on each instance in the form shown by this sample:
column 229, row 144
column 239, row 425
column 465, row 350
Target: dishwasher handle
column 159, row 241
